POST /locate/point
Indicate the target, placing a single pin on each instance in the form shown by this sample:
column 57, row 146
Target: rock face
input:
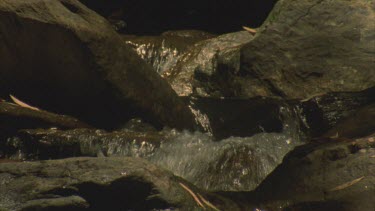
column 63, row 57
column 325, row 175
column 311, row 47
column 97, row 184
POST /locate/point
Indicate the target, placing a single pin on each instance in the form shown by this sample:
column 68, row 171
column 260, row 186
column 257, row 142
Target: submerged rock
column 63, row 57
column 323, row 175
column 308, row 47
column 99, row 184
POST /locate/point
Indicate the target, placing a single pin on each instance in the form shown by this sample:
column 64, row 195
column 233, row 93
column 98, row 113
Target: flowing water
column 232, row 164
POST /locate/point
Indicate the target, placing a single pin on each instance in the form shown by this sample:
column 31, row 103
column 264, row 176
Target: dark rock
column 208, row 68
column 63, row 57
column 321, row 113
column 308, row 47
column 316, row 116
column 97, row 184
column 323, row 175
column 163, row 51
column 358, row 124
column 14, row 117
column 155, row 17
column 224, row 118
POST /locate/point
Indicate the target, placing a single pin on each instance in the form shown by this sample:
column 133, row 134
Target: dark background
column 156, row 16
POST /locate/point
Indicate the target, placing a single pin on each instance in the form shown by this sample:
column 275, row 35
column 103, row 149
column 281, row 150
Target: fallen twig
column 193, row 195
column 208, row 203
column 348, row 184
column 22, row 104
column 252, row 31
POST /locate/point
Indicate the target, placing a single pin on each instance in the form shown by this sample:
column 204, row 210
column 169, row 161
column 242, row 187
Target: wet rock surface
column 96, row 184
column 63, row 57
column 208, row 68
column 164, row 51
column 306, row 48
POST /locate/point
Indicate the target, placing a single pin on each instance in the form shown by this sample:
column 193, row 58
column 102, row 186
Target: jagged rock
column 308, row 47
column 224, row 118
column 323, row 175
column 63, row 57
column 98, row 184
column 14, row 117
column 163, row 51
column 206, row 70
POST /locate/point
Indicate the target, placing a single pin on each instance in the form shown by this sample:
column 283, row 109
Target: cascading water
column 232, row 164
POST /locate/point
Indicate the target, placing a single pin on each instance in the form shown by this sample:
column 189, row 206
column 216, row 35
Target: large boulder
column 323, row 175
column 99, row 184
column 312, row 47
column 63, row 57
